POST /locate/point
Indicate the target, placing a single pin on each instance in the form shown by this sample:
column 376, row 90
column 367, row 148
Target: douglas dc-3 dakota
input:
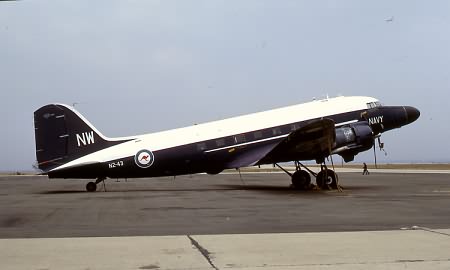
column 68, row 146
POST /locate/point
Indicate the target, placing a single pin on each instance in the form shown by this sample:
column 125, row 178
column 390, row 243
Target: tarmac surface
column 36, row 207
column 416, row 250
column 382, row 221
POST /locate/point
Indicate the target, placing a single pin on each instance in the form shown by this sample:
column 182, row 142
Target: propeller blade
column 375, row 155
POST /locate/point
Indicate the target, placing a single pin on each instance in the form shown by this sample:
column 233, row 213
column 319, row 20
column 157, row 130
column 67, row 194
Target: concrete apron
column 419, row 248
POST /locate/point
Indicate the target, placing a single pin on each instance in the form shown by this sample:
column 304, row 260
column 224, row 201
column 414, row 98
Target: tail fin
column 62, row 135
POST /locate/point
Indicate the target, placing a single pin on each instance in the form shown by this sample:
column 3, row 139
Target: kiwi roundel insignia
column 144, row 158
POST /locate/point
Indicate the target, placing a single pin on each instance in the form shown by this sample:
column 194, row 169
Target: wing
column 310, row 142
column 239, row 156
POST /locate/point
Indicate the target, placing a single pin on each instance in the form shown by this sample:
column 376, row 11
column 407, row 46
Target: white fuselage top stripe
column 227, row 127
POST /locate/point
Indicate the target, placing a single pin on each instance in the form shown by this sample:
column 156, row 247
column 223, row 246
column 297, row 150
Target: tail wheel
column 91, row 187
column 326, row 179
column 301, row 180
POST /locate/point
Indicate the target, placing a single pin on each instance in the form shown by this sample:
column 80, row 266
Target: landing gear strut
column 92, row 186
column 301, row 179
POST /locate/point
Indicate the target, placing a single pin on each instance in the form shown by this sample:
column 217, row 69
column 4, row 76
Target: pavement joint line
column 360, row 263
column 205, row 253
column 428, row 230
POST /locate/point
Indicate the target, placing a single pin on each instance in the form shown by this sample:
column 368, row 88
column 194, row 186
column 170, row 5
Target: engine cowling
column 353, row 139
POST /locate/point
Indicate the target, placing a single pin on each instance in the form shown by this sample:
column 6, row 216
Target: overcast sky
column 135, row 67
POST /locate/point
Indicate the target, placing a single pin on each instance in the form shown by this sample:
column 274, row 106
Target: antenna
column 75, row 103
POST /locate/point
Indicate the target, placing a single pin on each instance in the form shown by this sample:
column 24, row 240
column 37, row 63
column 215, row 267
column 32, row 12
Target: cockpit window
column 375, row 104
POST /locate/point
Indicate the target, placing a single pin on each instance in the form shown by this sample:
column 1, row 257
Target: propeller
column 380, row 146
column 375, row 155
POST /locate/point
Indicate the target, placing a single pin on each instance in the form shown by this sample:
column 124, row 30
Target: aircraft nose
column 412, row 114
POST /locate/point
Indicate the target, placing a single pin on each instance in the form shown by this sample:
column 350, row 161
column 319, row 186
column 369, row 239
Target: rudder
column 62, row 135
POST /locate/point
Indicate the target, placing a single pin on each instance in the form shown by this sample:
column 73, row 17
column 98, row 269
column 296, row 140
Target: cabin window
column 295, row 127
column 257, row 135
column 201, row 146
column 372, row 105
column 239, row 138
column 276, row 131
column 220, row 142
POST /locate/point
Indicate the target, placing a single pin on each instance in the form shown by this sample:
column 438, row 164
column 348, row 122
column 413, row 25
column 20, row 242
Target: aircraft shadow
column 60, row 192
column 244, row 187
column 224, row 188
column 276, row 189
column 291, row 190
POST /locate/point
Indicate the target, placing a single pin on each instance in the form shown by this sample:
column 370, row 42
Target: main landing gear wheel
column 301, row 180
column 327, row 179
column 91, row 187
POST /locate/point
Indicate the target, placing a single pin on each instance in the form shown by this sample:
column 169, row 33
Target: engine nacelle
column 353, row 139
